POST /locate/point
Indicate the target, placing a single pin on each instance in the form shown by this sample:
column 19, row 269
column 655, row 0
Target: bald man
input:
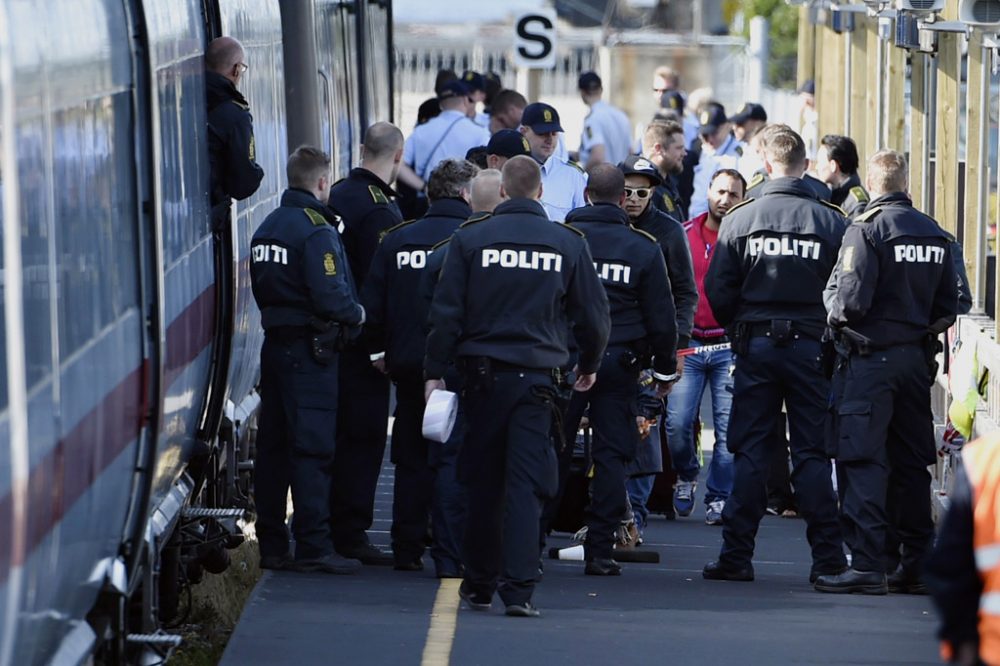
column 485, row 192
column 235, row 173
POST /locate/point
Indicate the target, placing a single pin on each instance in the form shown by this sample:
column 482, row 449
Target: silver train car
column 130, row 339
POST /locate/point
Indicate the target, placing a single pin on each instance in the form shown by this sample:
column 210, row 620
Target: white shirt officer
column 450, row 135
column 606, row 126
column 562, row 182
column 720, row 150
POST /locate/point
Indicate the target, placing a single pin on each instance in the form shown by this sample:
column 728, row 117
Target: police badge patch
column 329, row 266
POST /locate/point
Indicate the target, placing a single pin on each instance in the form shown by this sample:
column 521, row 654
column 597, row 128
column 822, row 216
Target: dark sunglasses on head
column 639, row 192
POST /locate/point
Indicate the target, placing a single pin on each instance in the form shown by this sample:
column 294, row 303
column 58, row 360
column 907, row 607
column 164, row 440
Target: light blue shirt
column 691, row 126
column 562, row 188
column 459, row 135
column 728, row 156
column 482, row 119
column 608, row 126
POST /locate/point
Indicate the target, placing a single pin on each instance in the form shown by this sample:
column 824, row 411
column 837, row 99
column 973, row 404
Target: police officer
column 643, row 333
column 506, row 111
column 485, row 195
column 235, row 173
column 663, row 145
column 640, row 179
column 562, row 182
column 395, row 329
column 720, row 149
column 895, row 287
column 367, row 208
column 749, row 120
column 764, row 284
column 303, row 287
column 607, row 133
column 504, row 145
column 760, row 177
column 837, row 166
column 540, row 277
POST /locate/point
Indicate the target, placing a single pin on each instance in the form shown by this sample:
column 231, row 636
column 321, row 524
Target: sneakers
column 522, row 610
column 713, row 514
column 684, row 497
column 475, row 601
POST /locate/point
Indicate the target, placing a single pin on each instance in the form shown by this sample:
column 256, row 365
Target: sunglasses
column 639, row 193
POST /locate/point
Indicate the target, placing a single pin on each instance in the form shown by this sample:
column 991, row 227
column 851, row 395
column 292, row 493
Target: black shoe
column 603, row 567
column 716, row 571
column 816, row 573
column 522, row 610
column 901, row 582
column 476, row 601
column 368, row 554
column 276, row 562
column 863, row 582
column 412, row 565
column 331, row 564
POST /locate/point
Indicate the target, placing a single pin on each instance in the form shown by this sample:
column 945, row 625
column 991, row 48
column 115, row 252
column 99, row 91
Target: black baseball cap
column 712, row 117
column 808, row 87
column 673, row 100
column 749, row 111
column 541, row 118
column 589, row 81
column 454, row 88
column 636, row 165
column 508, row 143
column 474, row 80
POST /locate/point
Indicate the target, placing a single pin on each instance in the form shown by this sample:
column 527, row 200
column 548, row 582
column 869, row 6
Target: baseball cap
column 541, row 118
column 808, row 87
column 673, row 100
column 508, row 143
column 712, row 117
column 589, row 81
column 636, row 165
column 749, row 111
column 454, row 88
column 474, row 80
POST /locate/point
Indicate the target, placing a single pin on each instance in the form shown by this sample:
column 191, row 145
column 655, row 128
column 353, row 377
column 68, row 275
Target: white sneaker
column 713, row 515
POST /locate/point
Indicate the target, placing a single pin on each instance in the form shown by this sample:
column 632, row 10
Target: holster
column 739, row 336
column 325, row 341
column 828, row 353
column 478, row 371
column 932, row 347
column 781, row 332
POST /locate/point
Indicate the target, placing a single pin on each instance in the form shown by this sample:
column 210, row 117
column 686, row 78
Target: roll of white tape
column 439, row 415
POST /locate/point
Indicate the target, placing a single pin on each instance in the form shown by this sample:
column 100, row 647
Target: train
column 130, row 339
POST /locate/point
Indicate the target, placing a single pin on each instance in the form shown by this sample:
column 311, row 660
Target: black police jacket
column 396, row 317
column 773, row 257
column 851, row 196
column 667, row 200
column 510, row 285
column 631, row 267
column 367, row 208
column 677, row 253
column 760, row 178
column 298, row 271
column 895, row 276
column 231, row 152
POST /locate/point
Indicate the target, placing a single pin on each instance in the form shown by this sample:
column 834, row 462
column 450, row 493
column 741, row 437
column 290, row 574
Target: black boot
column 852, row 580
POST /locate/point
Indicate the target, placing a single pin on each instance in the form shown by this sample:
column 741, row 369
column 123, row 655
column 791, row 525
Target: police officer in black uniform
column 643, row 333
column 307, row 299
column 235, row 173
column 759, row 143
column 640, row 179
column 396, row 327
column 837, row 166
column 510, row 285
column 366, row 205
column 893, row 292
column 765, row 285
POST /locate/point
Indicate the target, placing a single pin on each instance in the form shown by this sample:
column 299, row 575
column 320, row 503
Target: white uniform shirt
column 691, row 126
column 608, row 126
column 459, row 132
column 482, row 119
column 728, row 156
column 562, row 188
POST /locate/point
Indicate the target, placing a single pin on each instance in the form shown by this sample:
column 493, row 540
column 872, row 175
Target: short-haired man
column 895, row 290
column 502, row 310
column 720, row 149
column 607, row 133
column 663, row 145
column 759, row 178
column 486, row 194
column 765, row 285
column 749, row 120
column 563, row 182
column 302, row 284
column 506, row 110
column 705, row 368
column 395, row 334
column 837, row 166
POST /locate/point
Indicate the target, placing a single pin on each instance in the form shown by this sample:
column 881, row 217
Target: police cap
column 541, row 118
column 474, row 80
column 508, row 143
column 589, row 81
column 636, row 165
column 808, row 87
column 454, row 88
column 711, row 118
column 749, row 111
column 673, row 100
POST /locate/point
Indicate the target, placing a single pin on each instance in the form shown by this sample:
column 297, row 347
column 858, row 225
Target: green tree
column 784, row 34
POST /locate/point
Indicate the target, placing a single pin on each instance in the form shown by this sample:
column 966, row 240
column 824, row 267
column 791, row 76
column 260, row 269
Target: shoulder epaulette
column 245, row 107
column 385, row 232
column 740, row 204
column 575, row 166
column 859, row 193
column 643, row 233
column 475, row 219
column 570, row 227
column 868, row 214
column 757, row 179
column 947, row 234
column 316, row 218
column 831, row 205
column 378, row 196
column 739, row 150
column 440, row 244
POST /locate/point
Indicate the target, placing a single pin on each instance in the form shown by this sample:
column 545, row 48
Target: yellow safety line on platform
column 444, row 619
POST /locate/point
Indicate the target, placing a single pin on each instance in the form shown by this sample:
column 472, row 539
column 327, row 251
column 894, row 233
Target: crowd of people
column 554, row 290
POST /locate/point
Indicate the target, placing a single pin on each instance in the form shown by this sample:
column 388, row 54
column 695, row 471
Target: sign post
column 535, row 46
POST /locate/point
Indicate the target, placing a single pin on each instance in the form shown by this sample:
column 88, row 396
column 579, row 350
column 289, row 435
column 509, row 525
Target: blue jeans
column 639, row 489
column 683, row 405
